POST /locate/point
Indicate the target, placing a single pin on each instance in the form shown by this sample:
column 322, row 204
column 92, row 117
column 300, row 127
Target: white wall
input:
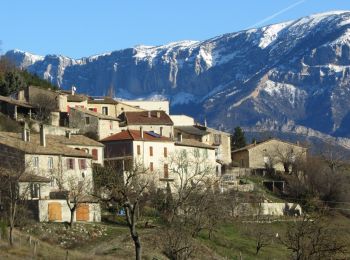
column 182, row 120
column 149, row 105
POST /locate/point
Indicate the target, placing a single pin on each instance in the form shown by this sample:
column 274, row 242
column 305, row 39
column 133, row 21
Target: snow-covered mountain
column 295, row 72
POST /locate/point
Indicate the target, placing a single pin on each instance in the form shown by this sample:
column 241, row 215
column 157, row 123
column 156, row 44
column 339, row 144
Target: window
column 82, row 164
column 150, row 151
column 165, row 152
column 52, row 181
column 87, row 120
column 151, row 166
column 70, row 164
column 36, row 162
column 35, row 190
column 217, row 139
column 94, row 154
column 138, row 149
column 105, row 110
column 166, row 171
column 50, row 163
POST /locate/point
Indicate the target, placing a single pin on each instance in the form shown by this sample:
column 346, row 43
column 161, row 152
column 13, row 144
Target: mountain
column 294, row 73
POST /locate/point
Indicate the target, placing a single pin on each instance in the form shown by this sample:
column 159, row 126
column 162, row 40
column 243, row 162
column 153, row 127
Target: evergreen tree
column 238, row 139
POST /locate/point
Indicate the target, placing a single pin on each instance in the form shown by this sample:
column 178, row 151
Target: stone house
column 89, row 121
column 156, row 153
column 109, row 106
column 152, row 121
column 50, row 168
column 272, row 151
column 219, row 139
column 16, row 109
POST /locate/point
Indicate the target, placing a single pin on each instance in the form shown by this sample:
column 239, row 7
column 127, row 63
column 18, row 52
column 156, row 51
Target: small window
column 35, row 190
column 50, row 163
column 150, row 151
column 151, row 166
column 82, row 164
column 87, row 120
column 138, row 149
column 166, row 171
column 70, row 164
column 105, row 111
column 165, row 152
column 36, row 162
column 94, row 154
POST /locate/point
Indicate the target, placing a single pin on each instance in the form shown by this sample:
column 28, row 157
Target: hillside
column 296, row 72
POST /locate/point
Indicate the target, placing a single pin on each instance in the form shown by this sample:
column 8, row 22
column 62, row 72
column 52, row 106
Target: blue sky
column 79, row 28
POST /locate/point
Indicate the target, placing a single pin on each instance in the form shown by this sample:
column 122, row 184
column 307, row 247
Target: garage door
column 82, row 212
column 55, row 211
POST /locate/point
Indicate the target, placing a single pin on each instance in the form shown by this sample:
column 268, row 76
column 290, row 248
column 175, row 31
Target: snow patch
column 276, row 89
column 270, row 34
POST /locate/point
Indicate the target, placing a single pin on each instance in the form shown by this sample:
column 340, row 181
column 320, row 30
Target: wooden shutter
column 138, row 149
column 82, row 164
column 165, row 152
column 151, row 166
column 82, row 213
column 55, row 211
column 150, row 151
column 166, row 171
column 94, row 154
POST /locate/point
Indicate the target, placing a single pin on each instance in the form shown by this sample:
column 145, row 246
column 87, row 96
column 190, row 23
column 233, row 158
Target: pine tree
column 238, row 139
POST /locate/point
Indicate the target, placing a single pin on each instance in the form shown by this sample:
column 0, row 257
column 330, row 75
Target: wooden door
column 82, row 213
column 55, row 211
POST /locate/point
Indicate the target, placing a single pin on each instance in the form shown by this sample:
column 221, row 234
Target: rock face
column 290, row 73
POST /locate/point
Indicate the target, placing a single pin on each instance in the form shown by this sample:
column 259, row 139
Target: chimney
column 42, row 136
column 205, row 122
column 158, row 114
column 298, row 143
column 68, row 134
column 179, row 137
column 161, row 131
column 141, row 132
column 149, row 113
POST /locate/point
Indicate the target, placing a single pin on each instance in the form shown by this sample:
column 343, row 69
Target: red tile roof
column 146, row 118
column 135, row 136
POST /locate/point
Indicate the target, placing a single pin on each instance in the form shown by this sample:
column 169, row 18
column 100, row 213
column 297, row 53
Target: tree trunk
column 11, row 235
column 71, row 218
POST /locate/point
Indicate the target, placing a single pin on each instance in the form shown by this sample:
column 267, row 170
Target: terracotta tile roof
column 193, row 143
column 76, row 98
column 54, row 144
column 192, row 129
column 15, row 102
column 33, row 178
column 250, row 146
column 95, row 114
column 76, row 140
column 104, row 100
column 146, row 118
column 135, row 136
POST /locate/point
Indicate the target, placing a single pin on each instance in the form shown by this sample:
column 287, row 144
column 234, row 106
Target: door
column 82, row 213
column 55, row 211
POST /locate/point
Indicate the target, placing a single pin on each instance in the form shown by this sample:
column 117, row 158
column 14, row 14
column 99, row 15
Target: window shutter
column 166, row 171
column 138, row 149
column 151, row 166
column 151, row 151
column 94, row 154
column 165, row 152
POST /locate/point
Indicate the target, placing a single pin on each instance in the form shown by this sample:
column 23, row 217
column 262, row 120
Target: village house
column 219, row 139
column 157, row 121
column 109, row 106
column 156, row 153
column 270, row 152
column 149, row 105
column 93, row 123
column 52, row 167
column 16, row 109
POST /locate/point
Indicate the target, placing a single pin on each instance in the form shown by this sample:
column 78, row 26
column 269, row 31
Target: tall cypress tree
column 238, row 139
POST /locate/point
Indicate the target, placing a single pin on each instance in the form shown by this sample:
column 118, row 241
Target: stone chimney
column 179, row 137
column 141, row 132
column 68, row 134
column 149, row 113
column 42, row 136
column 158, row 114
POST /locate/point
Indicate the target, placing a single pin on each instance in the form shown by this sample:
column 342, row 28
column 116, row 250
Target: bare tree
column 44, row 105
column 313, row 238
column 12, row 194
column 124, row 188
